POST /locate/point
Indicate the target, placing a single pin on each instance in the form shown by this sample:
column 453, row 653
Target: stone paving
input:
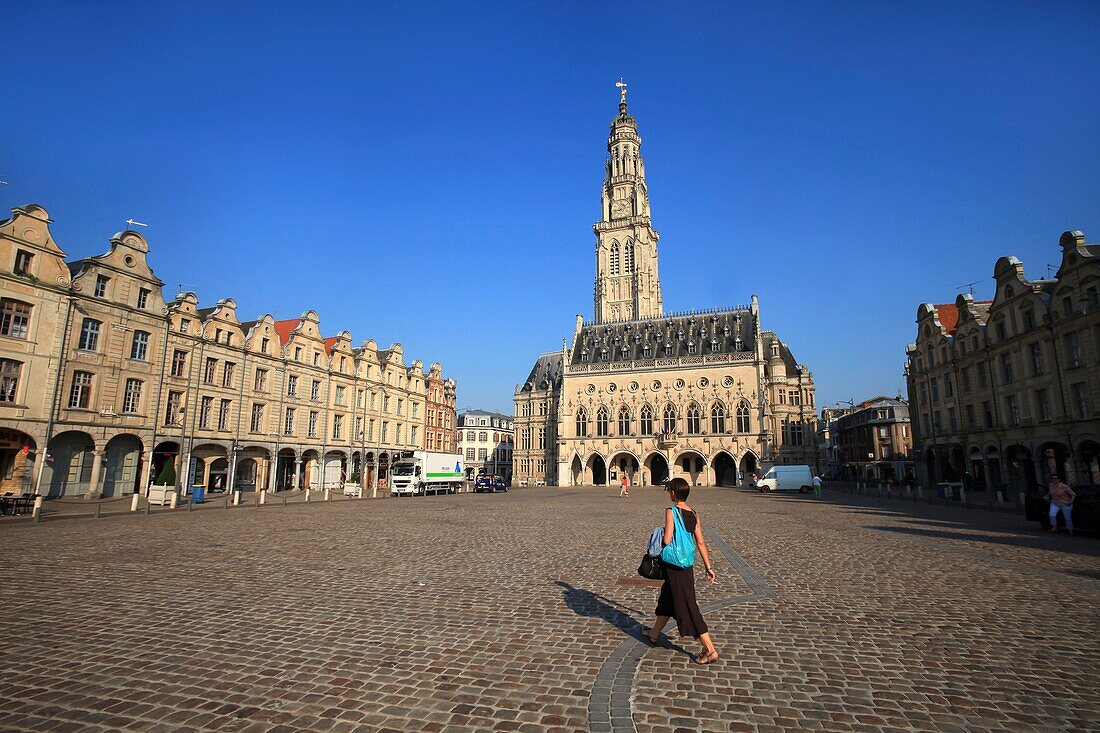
column 508, row 612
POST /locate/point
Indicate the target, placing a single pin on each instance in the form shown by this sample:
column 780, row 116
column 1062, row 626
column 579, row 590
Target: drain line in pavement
column 609, row 703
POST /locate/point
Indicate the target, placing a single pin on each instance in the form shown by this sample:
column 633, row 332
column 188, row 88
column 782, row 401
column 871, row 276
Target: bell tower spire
column 627, row 286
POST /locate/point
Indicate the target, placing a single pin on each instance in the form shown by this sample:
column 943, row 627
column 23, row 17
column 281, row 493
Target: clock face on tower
column 620, row 209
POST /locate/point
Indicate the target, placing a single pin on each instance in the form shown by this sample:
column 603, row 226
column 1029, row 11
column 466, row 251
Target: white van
column 787, row 478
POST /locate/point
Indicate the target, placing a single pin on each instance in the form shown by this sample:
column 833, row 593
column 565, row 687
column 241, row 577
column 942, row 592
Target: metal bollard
column 173, row 501
column 190, row 502
column 148, row 506
column 134, row 503
column 284, row 499
column 98, row 506
column 236, row 498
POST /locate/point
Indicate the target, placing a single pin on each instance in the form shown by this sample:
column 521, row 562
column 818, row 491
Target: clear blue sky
column 429, row 173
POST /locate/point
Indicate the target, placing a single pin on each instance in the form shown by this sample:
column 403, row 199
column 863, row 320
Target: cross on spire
column 622, row 90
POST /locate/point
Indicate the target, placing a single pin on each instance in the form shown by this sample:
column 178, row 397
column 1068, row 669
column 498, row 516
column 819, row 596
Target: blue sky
column 429, row 173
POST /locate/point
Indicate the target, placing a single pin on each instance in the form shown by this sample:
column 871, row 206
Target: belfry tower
column 627, row 286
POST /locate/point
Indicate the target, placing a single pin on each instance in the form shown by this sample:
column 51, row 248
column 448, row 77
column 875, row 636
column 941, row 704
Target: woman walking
column 1061, row 500
column 677, row 598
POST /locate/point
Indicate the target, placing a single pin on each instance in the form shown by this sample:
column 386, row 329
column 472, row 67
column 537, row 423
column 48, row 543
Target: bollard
column 328, row 496
column 284, row 499
column 226, row 504
column 36, row 513
column 190, row 503
column 173, row 501
column 134, row 503
column 263, row 496
column 307, row 496
column 962, row 495
column 236, row 498
column 98, row 506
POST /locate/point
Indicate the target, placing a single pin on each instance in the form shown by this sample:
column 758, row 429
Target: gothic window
column 629, row 257
column 584, row 355
column 614, row 258
column 647, row 420
column 718, row 418
column 602, row 427
column 624, row 421
column 670, row 419
column 742, row 417
column 582, row 423
column 694, row 425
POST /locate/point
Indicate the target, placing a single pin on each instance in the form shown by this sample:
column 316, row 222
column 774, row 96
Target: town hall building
column 707, row 395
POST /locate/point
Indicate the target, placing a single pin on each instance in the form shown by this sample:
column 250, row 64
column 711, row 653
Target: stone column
column 144, row 462
column 297, row 471
column 93, row 484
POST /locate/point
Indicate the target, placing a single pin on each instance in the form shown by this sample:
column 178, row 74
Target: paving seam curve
column 609, row 708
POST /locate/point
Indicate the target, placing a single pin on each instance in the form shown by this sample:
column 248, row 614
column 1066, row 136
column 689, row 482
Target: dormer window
column 647, row 351
column 713, row 345
column 584, row 355
column 738, row 343
column 101, row 286
column 143, row 298
column 668, row 348
column 23, row 260
column 691, row 347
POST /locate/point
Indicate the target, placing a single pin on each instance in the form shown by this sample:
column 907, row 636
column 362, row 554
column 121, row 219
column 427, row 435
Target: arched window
column 614, row 258
column 624, row 421
column 670, row 419
column 602, row 422
column 582, row 423
column 629, row 257
column 743, row 417
column 693, row 419
column 718, row 418
column 647, row 420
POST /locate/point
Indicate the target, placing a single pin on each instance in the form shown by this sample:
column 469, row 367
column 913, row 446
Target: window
column 1080, row 400
column 257, row 424
column 415, row 409
column 525, row 439
column 624, row 421
column 223, row 414
column 80, row 393
column 179, row 362
column 1029, row 320
column 316, row 358
column 948, row 388
column 131, row 397
column 718, row 418
column 602, row 426
column 1042, row 405
column 482, row 454
column 89, row 334
column 173, row 411
column 482, row 436
column 206, row 406
column 935, row 385
column 15, row 318
column 966, row 379
column 23, row 260
column 412, row 437
column 646, row 351
column 143, row 298
column 337, row 427
column 264, row 343
column 647, row 420
column 101, row 286
column 987, row 414
column 693, row 420
column 185, row 325
column 1002, row 334
column 582, row 423
column 469, row 454
column 261, row 380
column 542, row 439
column 339, row 397
column 1012, row 408
column 782, row 396
column 1036, row 351
column 385, row 430
column 952, row 421
column 400, row 406
column 1072, row 343
column 297, row 353
column 139, row 347
column 614, row 258
column 370, row 430
column 373, row 395
column 983, row 373
column 743, row 424
column 1006, row 368
column 288, row 422
column 311, row 429
column 669, row 423
column 691, row 347
column 292, row 385
column 970, row 417
column 1067, row 305
column 358, row 427
column 227, row 373
column 668, row 349
column 9, row 379
column 358, row 398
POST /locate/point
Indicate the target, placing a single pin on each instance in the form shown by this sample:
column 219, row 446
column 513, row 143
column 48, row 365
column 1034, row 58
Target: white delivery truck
column 787, row 478
column 420, row 472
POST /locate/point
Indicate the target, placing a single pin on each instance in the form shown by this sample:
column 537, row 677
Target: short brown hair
column 679, row 488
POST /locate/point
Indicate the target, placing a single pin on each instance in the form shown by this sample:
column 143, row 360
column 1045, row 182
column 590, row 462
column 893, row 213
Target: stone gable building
column 1007, row 390
column 115, row 382
column 707, row 395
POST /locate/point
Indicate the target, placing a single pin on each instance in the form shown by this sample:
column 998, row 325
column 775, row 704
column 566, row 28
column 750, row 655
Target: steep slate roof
column 604, row 342
column 547, row 367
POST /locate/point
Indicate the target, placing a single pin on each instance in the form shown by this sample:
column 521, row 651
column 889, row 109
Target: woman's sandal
column 707, row 657
column 649, row 639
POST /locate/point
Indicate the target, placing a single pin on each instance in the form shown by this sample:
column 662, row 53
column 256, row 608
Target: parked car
column 1086, row 508
column 489, row 482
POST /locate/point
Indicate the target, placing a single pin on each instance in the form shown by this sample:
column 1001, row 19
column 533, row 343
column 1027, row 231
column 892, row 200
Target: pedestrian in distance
column 677, row 597
column 817, row 486
column 624, row 489
column 1061, row 500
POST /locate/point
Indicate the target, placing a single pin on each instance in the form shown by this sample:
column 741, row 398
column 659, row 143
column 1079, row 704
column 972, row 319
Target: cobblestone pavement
column 508, row 612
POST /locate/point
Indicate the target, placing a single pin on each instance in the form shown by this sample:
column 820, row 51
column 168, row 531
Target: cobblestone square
column 509, row 612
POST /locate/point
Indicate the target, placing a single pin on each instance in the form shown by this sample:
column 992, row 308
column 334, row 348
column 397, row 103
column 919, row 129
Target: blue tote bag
column 681, row 551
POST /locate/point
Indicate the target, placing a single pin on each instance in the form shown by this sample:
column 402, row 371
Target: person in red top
column 1061, row 500
column 623, row 490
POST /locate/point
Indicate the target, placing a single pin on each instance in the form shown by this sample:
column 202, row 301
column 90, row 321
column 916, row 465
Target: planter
column 161, row 495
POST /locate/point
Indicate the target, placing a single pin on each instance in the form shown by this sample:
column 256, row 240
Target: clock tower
column 627, row 287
